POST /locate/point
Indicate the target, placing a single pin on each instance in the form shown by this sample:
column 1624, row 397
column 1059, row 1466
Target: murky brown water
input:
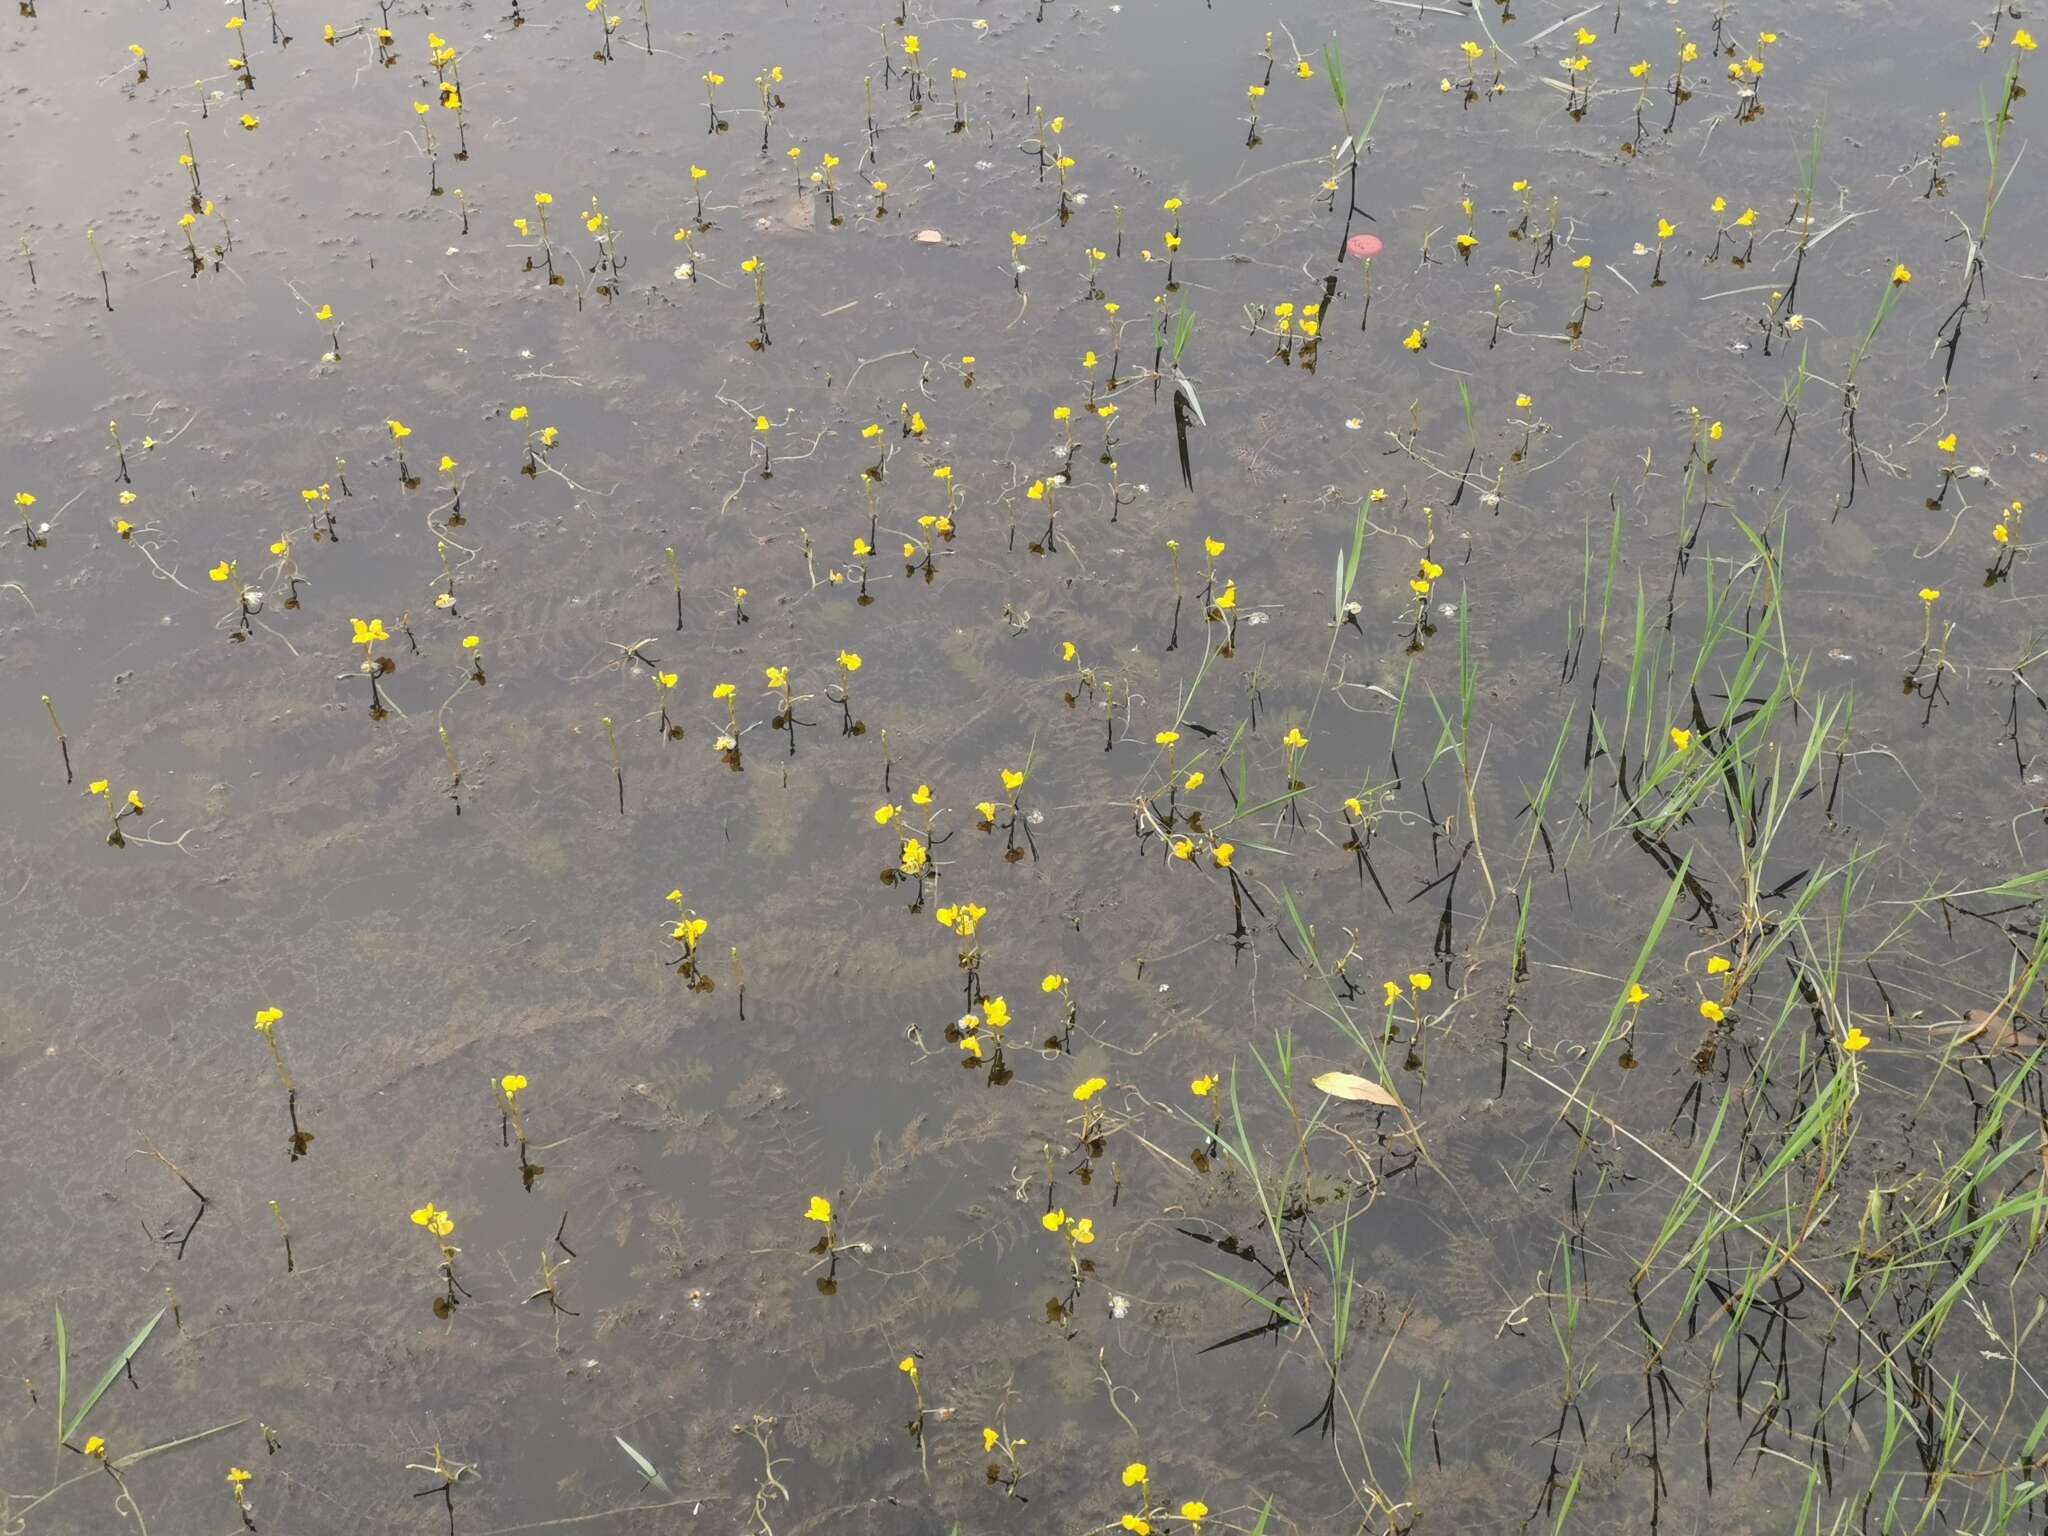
column 424, row 936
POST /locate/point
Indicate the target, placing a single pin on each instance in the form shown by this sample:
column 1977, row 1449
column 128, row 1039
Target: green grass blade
column 646, row 1467
column 63, row 1371
column 113, row 1371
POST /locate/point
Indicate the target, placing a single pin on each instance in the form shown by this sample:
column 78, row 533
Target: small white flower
column 683, row 272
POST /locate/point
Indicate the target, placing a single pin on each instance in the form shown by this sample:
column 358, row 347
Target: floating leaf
column 1349, row 1085
column 644, row 1465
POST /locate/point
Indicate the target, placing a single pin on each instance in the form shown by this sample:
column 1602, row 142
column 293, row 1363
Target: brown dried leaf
column 1363, row 1090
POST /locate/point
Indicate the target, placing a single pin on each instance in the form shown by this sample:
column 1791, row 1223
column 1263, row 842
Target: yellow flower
column 438, row 1222
column 1083, row 1231
column 513, row 1084
column 1745, row 219
column 849, row 661
column 1640, row 68
column 1227, row 599
column 1587, row 39
column 238, row 1476
column 135, row 801
column 1012, row 779
column 1255, row 92
column 1183, row 848
column 1666, row 229
column 1294, row 738
column 1194, row 780
column 1393, row 992
column 97, row 787
column 2001, row 534
column 988, row 1439
column 399, row 430
column 2023, row 40
column 1711, row 1011
column 96, row 1448
column 1523, row 402
column 821, row 1210
column 267, row 1019
column 884, row 814
column 1901, row 276
column 1930, row 595
column 1166, row 738
column 1636, row 995
column 996, row 1012
column 1222, row 853
column 1134, row 1474
column 1304, row 70
column 1855, row 1040
column 471, row 642
column 911, row 46
column 368, row 634
column 1714, row 432
column 225, row 571
column 1053, row 1220
column 1681, row 739
column 1203, row 1086
column 922, row 795
column 1089, row 1089
column 1946, row 444
column 908, row 1366
column 1413, row 341
column 1138, row 1525
column 1472, row 49
column 1052, row 982
column 1419, row 980
column 1718, row 965
column 778, row 677
column 517, row 413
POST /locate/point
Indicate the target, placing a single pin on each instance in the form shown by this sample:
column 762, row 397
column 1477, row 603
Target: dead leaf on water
column 1363, row 1090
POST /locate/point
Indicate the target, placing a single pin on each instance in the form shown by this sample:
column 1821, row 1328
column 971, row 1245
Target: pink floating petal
column 929, row 237
column 1365, row 245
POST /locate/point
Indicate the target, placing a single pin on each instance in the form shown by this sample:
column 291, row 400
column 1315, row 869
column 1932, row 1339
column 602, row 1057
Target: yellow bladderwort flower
column 225, row 571
column 1681, row 739
column 1930, row 595
column 1089, row 1089
column 1195, row 780
column 1745, row 219
column 820, row 1211
column 1136, row 1474
column 1523, row 402
column 908, row 1366
column 1636, row 995
column 95, row 1447
column 268, row 1019
column 2023, row 40
column 1165, row 738
column 1855, row 1040
column 1420, row 980
column 436, row 1221
column 1052, row 983
column 1640, row 68
column 1584, row 263
column 922, row 795
column 1183, row 848
column 1901, row 275
column 1711, row 1011
column 1946, row 444
column 1137, row 1525
column 1414, row 340
column 1222, row 854
column 1472, row 49
column 1666, row 229
column 512, row 1084
column 1393, row 991
column 1053, row 1220
column 1203, row 1086
column 1719, row 965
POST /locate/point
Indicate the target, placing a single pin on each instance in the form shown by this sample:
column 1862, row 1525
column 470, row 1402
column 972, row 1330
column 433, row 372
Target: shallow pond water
column 1752, row 1251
